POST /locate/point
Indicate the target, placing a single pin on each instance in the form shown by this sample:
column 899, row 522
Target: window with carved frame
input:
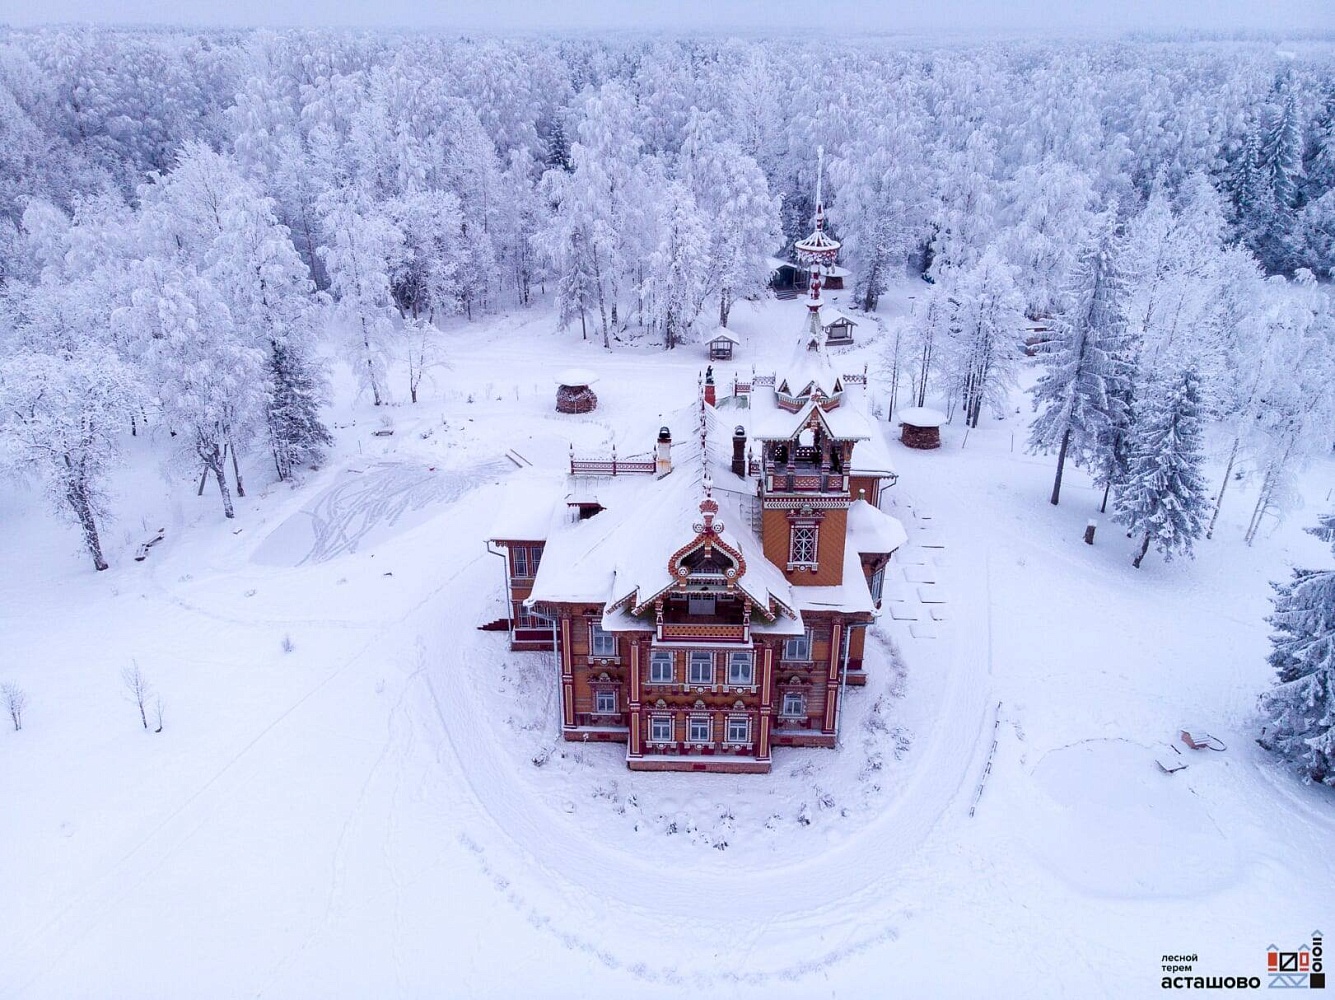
column 802, row 543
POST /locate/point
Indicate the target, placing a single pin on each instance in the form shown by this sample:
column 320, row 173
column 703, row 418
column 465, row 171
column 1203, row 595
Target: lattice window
column 802, row 545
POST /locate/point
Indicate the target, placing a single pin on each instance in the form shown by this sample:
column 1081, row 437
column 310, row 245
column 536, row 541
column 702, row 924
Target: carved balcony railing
column 693, row 632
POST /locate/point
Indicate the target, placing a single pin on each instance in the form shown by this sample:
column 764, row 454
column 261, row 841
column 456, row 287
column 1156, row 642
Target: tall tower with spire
column 816, row 251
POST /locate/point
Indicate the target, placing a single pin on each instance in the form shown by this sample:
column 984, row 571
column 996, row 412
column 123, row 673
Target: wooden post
column 1089, row 531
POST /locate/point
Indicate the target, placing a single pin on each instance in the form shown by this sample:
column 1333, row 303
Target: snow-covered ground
column 386, row 809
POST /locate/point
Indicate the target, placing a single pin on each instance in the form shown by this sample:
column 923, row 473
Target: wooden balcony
column 703, row 632
column 805, row 481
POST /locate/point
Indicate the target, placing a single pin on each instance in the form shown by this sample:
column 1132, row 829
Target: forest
column 186, row 218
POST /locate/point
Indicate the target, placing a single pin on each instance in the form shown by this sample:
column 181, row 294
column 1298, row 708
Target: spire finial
column 820, row 175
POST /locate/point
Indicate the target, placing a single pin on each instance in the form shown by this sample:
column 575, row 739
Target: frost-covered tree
column 1051, row 209
column 209, row 383
column 1294, row 414
column 60, row 418
column 881, row 204
column 1077, row 398
column 361, row 254
column 1300, row 710
column 436, row 264
column 1164, row 499
column 742, row 218
column 678, row 269
column 1266, row 181
column 214, row 220
column 980, row 344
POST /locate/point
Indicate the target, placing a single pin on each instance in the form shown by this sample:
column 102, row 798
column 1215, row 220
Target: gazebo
column 838, row 327
column 573, row 394
column 921, row 427
column 719, row 343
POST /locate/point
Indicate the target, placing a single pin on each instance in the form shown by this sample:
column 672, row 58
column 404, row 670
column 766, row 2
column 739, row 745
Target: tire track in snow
column 835, row 892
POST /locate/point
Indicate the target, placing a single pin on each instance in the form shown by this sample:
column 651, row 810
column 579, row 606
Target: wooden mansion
column 709, row 603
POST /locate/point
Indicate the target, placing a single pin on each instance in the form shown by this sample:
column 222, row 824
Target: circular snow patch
column 1117, row 826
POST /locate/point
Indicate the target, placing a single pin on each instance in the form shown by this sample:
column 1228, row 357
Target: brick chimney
column 739, row 452
column 663, row 453
column 709, row 385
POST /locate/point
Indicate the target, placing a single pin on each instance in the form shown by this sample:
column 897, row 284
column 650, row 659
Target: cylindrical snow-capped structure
column 573, row 394
column 921, row 427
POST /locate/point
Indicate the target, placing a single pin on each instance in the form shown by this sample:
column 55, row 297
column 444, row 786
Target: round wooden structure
column 921, row 427
column 573, row 394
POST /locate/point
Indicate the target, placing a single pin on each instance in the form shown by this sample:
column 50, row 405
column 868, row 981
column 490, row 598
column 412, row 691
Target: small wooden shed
column 921, row 427
column 838, row 327
column 573, row 394
column 719, row 343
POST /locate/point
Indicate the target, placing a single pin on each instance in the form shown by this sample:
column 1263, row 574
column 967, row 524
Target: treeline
column 180, row 213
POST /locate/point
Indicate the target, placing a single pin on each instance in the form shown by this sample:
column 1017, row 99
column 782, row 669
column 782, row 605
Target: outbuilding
column 573, row 394
column 921, row 427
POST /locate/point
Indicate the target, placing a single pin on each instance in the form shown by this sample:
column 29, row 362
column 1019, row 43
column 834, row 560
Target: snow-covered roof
column 575, row 377
column 718, row 333
column 872, row 531
column 850, row 596
column 922, row 416
column 829, row 317
column 527, row 512
column 841, row 423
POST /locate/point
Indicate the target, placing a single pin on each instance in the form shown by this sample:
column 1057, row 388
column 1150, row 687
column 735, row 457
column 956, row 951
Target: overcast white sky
column 1009, row 17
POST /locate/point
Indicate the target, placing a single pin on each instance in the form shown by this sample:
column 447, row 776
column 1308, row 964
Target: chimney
column 739, row 452
column 663, row 453
column 709, row 385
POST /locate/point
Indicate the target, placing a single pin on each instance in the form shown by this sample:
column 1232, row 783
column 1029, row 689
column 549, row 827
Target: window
column 605, row 703
column 700, row 605
column 601, row 643
column 660, row 668
column 739, row 729
column 798, row 648
column 794, row 704
column 660, row 729
column 526, row 559
column 802, row 545
column 877, row 584
column 702, row 668
column 741, row 668
column 528, row 618
column 701, row 731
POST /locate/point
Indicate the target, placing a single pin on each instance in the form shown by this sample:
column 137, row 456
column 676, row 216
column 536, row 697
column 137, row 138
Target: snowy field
column 387, row 810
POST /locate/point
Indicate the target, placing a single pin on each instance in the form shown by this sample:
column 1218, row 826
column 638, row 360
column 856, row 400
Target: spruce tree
column 296, row 435
column 1077, row 409
column 1301, row 708
column 1164, row 499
